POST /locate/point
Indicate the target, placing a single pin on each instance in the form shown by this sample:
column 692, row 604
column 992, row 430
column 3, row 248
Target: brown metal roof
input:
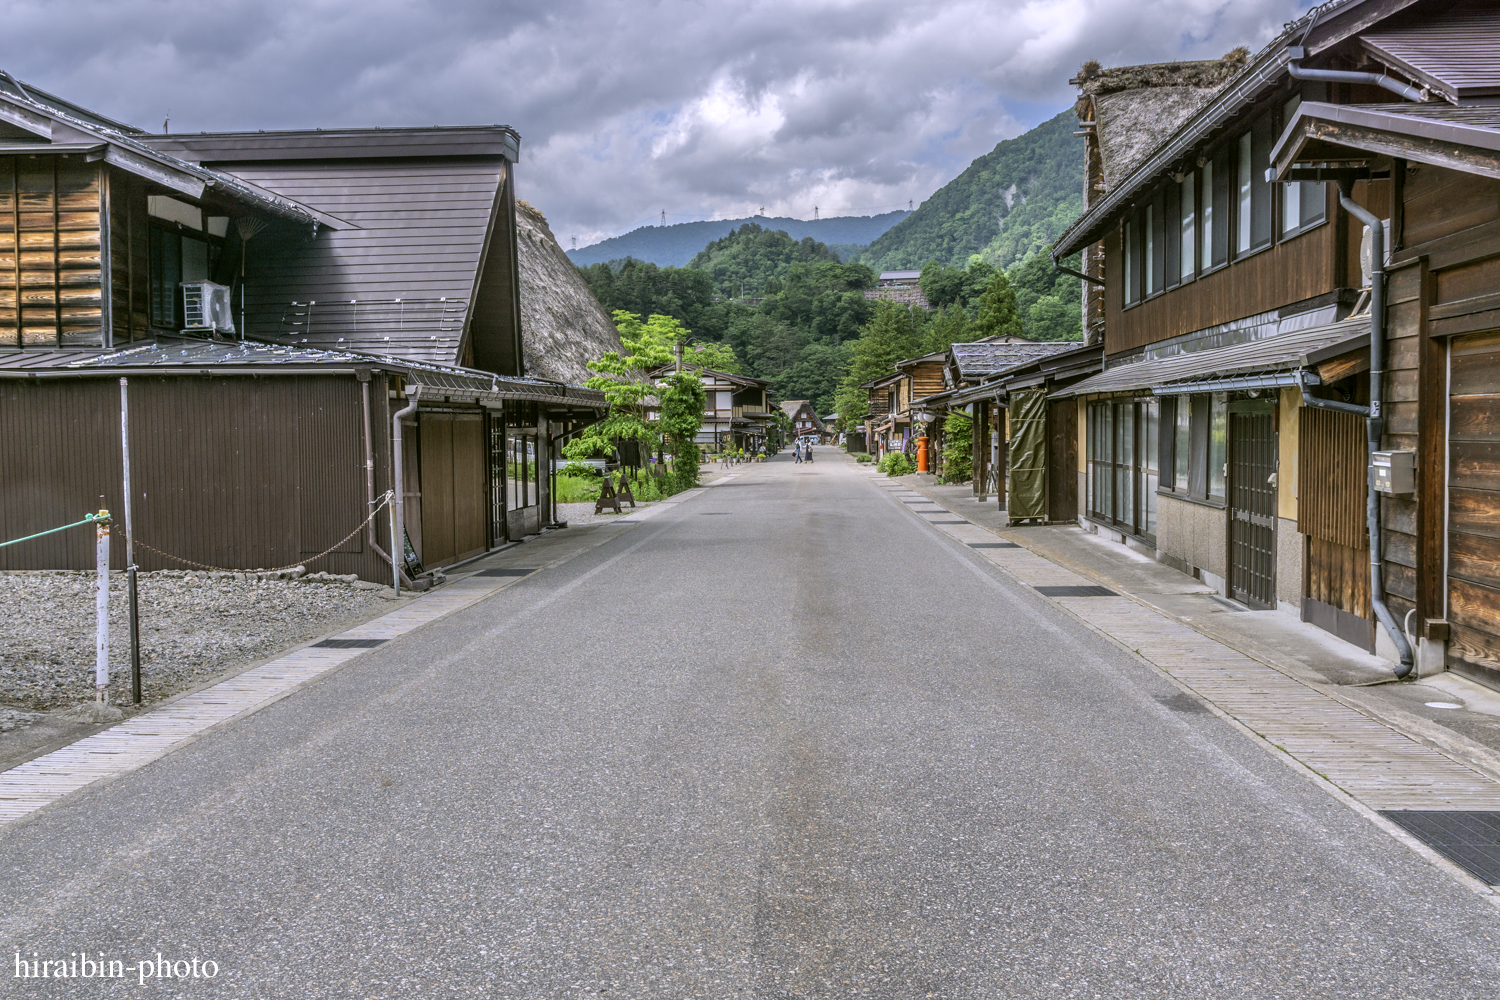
column 1271, row 354
column 1455, row 53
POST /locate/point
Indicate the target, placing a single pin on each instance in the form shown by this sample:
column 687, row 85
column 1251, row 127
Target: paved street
column 780, row 740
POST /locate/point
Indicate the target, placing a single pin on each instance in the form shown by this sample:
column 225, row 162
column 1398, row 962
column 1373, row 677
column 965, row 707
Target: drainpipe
column 398, row 484
column 1375, row 421
column 396, row 575
column 1339, row 406
column 1406, row 90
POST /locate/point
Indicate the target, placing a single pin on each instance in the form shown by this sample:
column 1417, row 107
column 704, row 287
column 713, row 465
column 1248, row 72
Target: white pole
column 101, row 607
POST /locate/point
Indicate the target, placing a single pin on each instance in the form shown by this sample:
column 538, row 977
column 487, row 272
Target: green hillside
column 744, row 261
column 1041, row 175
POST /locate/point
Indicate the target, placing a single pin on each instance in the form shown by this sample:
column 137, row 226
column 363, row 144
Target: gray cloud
column 627, row 109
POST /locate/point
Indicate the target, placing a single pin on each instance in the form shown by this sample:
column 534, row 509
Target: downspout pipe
column 370, row 533
column 1298, row 72
column 398, row 484
column 1339, row 406
column 1375, row 423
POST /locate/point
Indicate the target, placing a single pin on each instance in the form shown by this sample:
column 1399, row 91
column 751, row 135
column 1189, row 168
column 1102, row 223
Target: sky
column 702, row 110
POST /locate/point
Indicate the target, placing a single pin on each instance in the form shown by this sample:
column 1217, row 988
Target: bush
column 578, row 470
column 896, row 464
column 577, row 489
column 958, row 448
column 863, row 459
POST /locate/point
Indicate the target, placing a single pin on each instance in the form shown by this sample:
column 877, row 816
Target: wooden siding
column 1398, row 516
column 237, row 472
column 422, row 234
column 1298, row 269
column 1331, row 471
column 927, row 379
column 49, row 252
column 1473, row 583
column 1437, row 202
column 130, row 260
column 454, row 487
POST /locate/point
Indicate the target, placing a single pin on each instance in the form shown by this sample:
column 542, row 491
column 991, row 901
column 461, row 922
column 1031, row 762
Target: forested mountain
column 675, row 245
column 1011, row 202
column 808, row 305
column 744, row 261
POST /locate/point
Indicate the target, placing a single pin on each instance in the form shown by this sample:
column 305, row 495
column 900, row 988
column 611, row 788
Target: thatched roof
column 562, row 324
column 1135, row 108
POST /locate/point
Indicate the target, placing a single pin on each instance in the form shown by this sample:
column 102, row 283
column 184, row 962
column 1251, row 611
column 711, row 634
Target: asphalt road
column 781, row 741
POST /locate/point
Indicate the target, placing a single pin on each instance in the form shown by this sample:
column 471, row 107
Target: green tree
column 998, row 315
column 682, row 399
column 715, row 357
column 1052, row 319
column 622, row 379
column 958, row 447
column 893, row 333
column 748, row 259
column 945, row 328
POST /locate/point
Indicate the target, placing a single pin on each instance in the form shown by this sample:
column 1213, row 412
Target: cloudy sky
column 699, row 109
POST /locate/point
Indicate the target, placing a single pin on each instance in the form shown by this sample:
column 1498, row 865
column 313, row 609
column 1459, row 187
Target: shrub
column 577, row 489
column 863, row 459
column 896, row 464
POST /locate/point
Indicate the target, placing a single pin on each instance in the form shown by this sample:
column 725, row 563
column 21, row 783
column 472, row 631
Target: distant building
column 899, row 286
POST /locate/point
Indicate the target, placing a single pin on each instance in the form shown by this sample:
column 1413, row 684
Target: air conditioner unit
column 206, row 308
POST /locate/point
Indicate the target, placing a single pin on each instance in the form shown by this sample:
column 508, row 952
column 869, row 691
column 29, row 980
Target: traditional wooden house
column 995, row 376
column 303, row 318
column 1296, row 327
column 805, row 422
column 888, row 426
column 737, row 415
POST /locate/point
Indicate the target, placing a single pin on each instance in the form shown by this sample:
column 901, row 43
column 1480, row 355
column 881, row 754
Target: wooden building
column 274, row 298
column 805, row 422
column 1242, row 296
column 737, row 415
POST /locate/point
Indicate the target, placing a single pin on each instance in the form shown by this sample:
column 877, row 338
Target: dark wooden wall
column 49, row 252
column 454, row 487
column 241, row 473
column 1474, row 496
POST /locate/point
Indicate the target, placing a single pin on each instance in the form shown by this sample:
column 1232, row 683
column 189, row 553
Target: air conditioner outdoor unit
column 206, row 308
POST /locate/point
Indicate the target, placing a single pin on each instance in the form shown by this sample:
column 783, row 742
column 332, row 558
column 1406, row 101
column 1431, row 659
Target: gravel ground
column 194, row 626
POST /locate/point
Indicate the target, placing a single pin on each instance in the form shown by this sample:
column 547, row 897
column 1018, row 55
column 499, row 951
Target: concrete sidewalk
column 1324, row 706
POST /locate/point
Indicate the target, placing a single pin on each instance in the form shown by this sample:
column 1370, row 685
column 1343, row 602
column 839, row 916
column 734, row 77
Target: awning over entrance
column 1285, row 353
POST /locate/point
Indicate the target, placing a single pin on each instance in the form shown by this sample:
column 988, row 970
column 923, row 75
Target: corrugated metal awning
column 1286, row 352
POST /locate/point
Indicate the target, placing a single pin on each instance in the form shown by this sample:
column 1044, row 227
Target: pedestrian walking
column 797, row 453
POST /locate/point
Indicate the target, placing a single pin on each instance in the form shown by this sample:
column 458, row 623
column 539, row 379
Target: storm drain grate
column 348, row 643
column 1470, row 840
column 515, row 571
column 993, row 545
column 930, row 521
column 1076, row 590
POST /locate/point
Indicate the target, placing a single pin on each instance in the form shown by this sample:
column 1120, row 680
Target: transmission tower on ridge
column 815, row 213
column 664, row 216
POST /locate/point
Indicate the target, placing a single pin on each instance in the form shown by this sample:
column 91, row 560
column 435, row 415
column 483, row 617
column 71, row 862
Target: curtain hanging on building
column 1026, row 471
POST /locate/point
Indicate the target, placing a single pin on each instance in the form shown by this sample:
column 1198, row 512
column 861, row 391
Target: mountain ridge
column 679, row 243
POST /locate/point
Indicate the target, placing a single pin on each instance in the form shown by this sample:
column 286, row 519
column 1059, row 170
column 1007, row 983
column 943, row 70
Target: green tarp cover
column 1026, row 457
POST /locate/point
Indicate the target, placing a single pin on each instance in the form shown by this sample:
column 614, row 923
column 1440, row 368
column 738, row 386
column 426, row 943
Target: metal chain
column 385, row 499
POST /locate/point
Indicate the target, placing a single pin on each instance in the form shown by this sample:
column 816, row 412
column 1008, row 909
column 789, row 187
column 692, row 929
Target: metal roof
column 1437, row 127
column 1270, row 354
column 984, row 358
column 1455, row 53
column 186, row 356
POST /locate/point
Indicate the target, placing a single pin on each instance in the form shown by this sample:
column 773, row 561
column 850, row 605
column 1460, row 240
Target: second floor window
column 1253, row 218
column 175, row 258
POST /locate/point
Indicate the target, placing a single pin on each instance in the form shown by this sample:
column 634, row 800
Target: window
column 1188, row 215
column 1216, row 194
column 1123, row 464
column 174, row 258
column 1218, row 439
column 1303, row 204
column 1182, row 443
column 1253, row 219
column 1156, row 244
column 1132, row 263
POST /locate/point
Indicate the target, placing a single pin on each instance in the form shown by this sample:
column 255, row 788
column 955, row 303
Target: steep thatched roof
column 562, row 324
column 1135, row 108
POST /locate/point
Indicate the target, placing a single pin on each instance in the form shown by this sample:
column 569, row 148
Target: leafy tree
column 1050, row 318
column 946, row 287
column 622, row 379
column 717, row 357
column 682, row 400
column 998, row 315
column 893, row 333
column 945, row 328
column 958, row 447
